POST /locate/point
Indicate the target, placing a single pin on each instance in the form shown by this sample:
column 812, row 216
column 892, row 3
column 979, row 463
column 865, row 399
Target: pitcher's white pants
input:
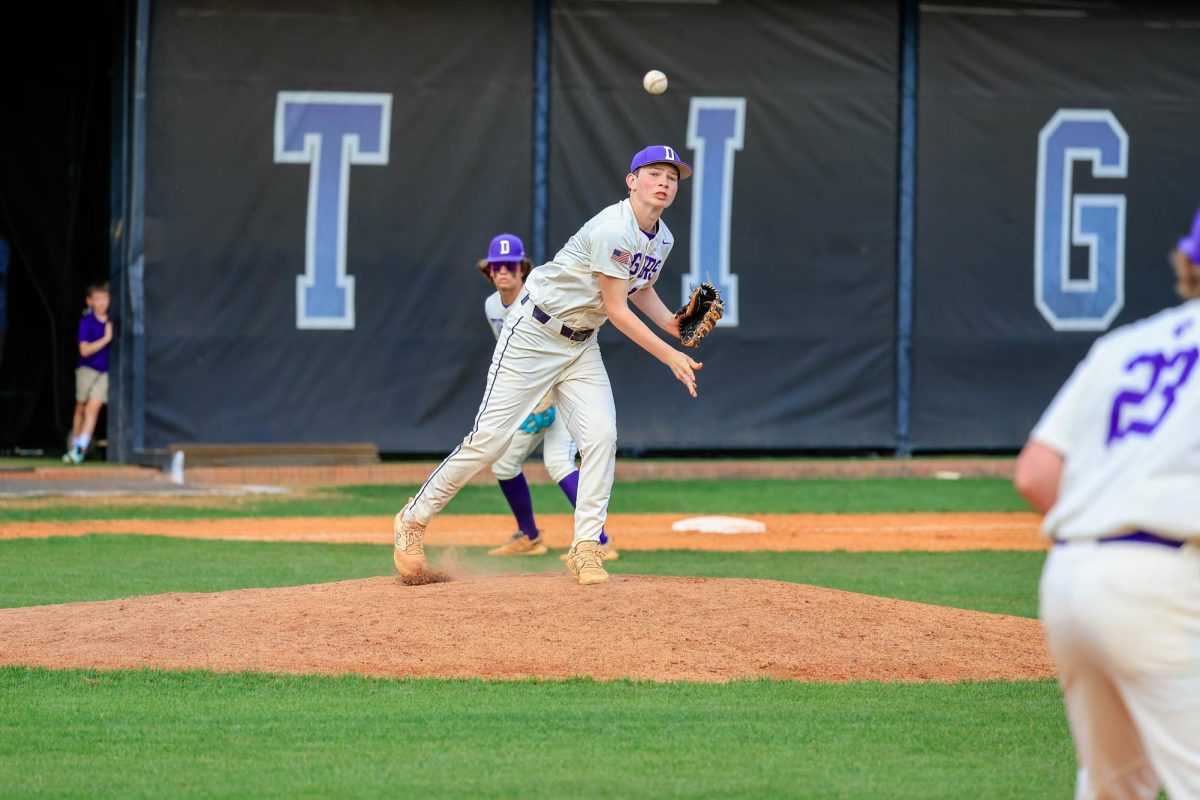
column 530, row 359
column 1123, row 623
column 558, row 452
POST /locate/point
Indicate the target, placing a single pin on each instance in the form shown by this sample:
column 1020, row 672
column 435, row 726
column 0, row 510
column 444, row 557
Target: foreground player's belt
column 565, row 330
column 1136, row 536
column 1143, row 536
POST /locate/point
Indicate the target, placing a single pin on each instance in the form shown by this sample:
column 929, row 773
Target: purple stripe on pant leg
column 570, row 487
column 516, row 492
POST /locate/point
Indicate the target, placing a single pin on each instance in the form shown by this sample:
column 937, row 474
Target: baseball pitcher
column 549, row 343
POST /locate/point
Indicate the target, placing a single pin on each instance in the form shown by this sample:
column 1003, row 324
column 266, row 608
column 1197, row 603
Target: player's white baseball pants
column 530, row 359
column 1123, row 624
column 558, row 452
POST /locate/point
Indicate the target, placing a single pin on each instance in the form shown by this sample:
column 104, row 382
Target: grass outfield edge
column 91, row 674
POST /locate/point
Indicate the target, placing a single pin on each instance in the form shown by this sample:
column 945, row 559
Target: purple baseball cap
column 506, row 248
column 1190, row 245
column 660, row 154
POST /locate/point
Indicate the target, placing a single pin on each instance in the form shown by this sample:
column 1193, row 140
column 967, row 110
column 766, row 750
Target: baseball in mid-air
column 655, row 82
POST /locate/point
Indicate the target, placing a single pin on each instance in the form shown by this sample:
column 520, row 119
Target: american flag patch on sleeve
column 621, row 257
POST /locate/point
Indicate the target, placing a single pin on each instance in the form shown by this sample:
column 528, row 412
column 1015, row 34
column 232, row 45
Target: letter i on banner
column 330, row 131
column 715, row 131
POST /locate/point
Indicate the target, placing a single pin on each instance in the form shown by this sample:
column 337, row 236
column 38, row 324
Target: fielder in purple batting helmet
column 505, row 249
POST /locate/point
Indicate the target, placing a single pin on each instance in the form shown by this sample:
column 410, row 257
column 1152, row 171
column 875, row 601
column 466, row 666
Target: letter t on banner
column 330, row 131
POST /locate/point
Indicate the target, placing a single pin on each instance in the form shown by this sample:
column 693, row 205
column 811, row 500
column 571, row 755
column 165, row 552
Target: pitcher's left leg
column 559, row 453
column 587, row 407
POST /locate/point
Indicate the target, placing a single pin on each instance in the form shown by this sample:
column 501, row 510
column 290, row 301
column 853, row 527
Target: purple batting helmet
column 660, row 154
column 506, row 248
column 1190, row 245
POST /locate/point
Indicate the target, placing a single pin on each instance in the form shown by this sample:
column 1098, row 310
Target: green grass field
column 101, row 567
column 195, row 734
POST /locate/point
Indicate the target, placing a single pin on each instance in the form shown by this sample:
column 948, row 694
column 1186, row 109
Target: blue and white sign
column 1065, row 219
column 715, row 133
column 330, row 131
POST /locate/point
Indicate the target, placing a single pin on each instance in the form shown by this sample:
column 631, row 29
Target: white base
column 719, row 525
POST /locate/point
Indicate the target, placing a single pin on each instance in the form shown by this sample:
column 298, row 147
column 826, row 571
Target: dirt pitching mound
column 544, row 625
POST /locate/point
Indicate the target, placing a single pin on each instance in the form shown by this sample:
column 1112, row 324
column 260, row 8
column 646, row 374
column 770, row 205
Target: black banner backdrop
column 430, row 120
column 323, row 176
column 811, row 208
column 986, row 360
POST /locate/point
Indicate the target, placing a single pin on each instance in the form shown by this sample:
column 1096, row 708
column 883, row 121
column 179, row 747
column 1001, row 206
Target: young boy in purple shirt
column 91, row 371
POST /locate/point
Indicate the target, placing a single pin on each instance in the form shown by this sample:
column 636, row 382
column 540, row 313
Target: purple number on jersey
column 1142, row 411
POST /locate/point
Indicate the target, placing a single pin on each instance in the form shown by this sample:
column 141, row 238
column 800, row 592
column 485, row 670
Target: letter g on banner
column 1097, row 221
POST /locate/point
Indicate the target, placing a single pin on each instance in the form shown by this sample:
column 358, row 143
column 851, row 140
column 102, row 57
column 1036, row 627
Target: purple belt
column 1142, row 536
column 1138, row 536
column 566, row 330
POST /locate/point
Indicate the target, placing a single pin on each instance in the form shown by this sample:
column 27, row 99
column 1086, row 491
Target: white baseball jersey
column 1127, row 422
column 610, row 243
column 496, row 311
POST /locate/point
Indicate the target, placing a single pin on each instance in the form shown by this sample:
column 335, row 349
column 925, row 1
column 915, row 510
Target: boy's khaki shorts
column 90, row 384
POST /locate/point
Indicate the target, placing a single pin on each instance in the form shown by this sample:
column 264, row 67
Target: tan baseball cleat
column 586, row 563
column 409, row 553
column 521, row 545
column 610, row 552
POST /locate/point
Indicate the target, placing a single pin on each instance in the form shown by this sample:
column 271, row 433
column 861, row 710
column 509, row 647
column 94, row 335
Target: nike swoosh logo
column 668, row 244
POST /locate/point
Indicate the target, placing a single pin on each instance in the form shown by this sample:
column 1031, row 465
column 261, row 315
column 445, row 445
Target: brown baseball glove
column 699, row 314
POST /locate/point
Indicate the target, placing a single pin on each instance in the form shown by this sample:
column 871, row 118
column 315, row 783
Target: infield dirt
column 815, row 532
column 544, row 625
